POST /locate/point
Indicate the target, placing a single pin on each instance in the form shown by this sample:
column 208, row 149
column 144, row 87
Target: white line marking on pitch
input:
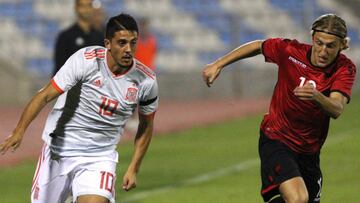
column 195, row 180
column 332, row 140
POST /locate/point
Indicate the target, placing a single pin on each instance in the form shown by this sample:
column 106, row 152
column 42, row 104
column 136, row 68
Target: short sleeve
column 149, row 102
column 274, row 48
column 70, row 73
column 344, row 81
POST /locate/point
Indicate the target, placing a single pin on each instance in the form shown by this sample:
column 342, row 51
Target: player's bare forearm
column 212, row 70
column 30, row 112
column 332, row 105
column 247, row 50
column 142, row 141
column 36, row 104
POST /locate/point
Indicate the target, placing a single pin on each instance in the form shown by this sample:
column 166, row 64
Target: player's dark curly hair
column 120, row 22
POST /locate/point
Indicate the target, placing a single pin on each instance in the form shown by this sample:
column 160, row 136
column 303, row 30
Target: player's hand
column 306, row 92
column 129, row 181
column 210, row 73
column 13, row 141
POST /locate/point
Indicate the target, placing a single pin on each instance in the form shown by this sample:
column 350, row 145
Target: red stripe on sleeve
column 53, row 83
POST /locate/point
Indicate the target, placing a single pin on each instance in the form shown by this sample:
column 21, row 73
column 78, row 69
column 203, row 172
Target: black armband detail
column 150, row 101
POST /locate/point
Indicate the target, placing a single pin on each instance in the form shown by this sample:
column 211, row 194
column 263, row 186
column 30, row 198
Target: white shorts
column 55, row 180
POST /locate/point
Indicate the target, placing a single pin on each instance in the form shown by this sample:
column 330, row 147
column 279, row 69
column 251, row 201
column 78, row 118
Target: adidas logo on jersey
column 97, row 83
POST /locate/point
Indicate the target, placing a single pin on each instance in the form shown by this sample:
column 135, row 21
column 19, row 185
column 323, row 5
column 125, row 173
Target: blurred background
column 190, row 34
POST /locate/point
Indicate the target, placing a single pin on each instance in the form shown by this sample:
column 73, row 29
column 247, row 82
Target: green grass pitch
column 217, row 163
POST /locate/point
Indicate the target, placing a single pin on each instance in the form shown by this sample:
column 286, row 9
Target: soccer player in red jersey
column 314, row 84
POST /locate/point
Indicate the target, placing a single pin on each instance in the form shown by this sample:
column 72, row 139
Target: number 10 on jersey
column 302, row 82
column 107, row 106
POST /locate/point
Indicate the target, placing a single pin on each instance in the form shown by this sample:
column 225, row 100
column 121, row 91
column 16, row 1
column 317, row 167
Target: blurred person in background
column 99, row 18
column 147, row 45
column 98, row 89
column 80, row 34
column 314, row 84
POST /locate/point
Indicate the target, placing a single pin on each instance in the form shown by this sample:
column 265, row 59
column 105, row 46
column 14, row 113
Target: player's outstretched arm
column 142, row 142
column 33, row 108
column 212, row 70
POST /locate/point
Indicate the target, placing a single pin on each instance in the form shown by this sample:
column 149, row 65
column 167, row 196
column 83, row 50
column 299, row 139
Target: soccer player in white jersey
column 98, row 90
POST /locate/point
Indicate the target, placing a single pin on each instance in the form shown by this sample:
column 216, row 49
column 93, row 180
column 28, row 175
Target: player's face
column 122, row 47
column 325, row 49
column 84, row 9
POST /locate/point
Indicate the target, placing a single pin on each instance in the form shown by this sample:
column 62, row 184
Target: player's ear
column 312, row 35
column 107, row 44
column 345, row 43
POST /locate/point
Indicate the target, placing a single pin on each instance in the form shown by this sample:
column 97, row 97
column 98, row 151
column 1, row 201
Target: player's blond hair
column 331, row 24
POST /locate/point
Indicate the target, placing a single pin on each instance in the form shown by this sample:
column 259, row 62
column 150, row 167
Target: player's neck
column 119, row 69
column 114, row 67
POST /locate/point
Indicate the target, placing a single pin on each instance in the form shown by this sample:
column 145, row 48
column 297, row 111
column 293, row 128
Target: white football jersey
column 88, row 119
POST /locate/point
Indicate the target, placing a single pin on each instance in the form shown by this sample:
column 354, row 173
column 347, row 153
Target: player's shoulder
column 143, row 70
column 344, row 61
column 294, row 46
column 90, row 54
column 286, row 43
column 88, row 57
column 94, row 53
column 295, row 43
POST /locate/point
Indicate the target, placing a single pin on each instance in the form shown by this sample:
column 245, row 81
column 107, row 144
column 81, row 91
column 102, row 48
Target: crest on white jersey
column 131, row 94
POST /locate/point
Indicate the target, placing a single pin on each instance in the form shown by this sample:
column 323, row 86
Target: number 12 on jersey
column 302, row 82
